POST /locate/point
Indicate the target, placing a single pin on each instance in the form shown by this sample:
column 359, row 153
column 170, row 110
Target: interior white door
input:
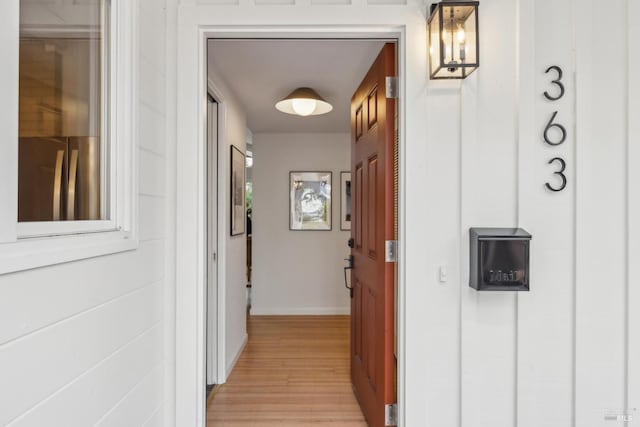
column 212, row 241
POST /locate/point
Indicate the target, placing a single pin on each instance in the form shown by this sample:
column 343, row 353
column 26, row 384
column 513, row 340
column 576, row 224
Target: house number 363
column 559, row 135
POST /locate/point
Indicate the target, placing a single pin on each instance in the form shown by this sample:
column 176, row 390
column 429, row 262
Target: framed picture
column 238, row 178
column 345, row 200
column 310, row 201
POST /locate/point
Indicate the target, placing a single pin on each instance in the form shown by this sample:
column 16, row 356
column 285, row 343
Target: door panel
column 357, row 227
column 356, row 311
column 370, row 335
column 212, row 242
column 372, row 187
column 373, row 367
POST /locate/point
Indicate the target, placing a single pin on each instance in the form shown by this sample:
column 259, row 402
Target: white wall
column 297, row 272
column 565, row 352
column 81, row 343
column 558, row 355
column 233, row 257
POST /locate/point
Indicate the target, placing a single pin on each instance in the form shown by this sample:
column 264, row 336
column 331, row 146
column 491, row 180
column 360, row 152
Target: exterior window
column 68, row 164
column 63, row 143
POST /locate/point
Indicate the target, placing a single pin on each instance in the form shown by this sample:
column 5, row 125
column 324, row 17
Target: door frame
column 190, row 302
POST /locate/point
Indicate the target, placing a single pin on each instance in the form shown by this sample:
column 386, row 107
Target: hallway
column 294, row 371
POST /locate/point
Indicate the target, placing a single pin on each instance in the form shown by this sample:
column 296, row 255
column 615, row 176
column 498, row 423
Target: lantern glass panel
column 434, row 42
column 471, row 38
column 455, row 34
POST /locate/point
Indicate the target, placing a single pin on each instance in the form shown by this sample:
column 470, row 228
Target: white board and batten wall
column 83, row 343
column 562, row 354
column 297, row 272
column 566, row 353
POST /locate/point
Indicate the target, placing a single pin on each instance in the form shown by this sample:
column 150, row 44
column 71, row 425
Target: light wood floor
column 293, row 372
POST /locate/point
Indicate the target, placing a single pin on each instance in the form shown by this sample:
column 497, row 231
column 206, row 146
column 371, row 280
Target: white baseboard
column 289, row 311
column 232, row 365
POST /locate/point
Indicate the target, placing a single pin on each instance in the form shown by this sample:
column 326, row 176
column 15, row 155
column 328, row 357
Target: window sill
column 47, row 229
column 26, row 254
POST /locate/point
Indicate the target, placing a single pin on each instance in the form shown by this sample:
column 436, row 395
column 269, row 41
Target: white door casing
column 192, row 86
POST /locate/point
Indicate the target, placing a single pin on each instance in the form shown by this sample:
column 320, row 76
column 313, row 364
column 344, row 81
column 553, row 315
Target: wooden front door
column 373, row 366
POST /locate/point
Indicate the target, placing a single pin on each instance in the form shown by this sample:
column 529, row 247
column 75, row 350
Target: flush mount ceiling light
column 304, row 102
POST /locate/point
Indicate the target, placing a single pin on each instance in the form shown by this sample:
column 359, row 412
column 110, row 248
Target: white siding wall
column 633, row 193
column 82, row 343
column 602, row 284
column 297, row 272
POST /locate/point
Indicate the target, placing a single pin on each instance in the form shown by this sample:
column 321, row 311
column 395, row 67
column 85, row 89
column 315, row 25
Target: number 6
column 554, row 125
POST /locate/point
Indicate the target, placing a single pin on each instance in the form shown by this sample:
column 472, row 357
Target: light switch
column 443, row 274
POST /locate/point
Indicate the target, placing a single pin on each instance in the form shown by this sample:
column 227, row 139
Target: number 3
column 560, row 173
column 557, row 82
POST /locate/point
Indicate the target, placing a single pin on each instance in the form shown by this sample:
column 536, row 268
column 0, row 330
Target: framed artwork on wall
column 310, row 201
column 238, row 178
column 345, row 201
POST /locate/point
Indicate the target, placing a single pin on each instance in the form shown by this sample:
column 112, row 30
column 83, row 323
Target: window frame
column 25, row 245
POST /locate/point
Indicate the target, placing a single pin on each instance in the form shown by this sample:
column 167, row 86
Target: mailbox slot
column 499, row 259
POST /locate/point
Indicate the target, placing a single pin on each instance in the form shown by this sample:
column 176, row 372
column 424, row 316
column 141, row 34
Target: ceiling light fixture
column 304, row 102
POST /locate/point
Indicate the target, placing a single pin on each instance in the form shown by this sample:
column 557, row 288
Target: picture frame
column 310, row 201
column 345, row 201
column 237, row 192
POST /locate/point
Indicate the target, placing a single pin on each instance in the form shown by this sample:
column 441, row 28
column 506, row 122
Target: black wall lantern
column 454, row 47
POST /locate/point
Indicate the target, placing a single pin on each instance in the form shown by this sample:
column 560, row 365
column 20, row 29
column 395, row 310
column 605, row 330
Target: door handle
column 348, row 267
column 71, row 192
column 57, row 185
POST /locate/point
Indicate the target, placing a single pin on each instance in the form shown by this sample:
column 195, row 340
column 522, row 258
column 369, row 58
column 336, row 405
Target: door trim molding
column 192, row 86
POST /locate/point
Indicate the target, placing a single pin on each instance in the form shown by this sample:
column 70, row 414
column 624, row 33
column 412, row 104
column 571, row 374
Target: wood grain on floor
column 294, row 371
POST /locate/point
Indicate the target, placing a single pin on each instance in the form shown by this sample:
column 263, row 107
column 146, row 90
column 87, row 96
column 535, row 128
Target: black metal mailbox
column 499, row 259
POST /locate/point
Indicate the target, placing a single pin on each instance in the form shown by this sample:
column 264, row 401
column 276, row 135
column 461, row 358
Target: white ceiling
column 262, row 72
